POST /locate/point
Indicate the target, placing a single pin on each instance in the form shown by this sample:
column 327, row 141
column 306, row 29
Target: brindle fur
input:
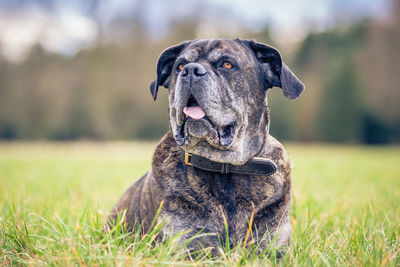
column 199, row 200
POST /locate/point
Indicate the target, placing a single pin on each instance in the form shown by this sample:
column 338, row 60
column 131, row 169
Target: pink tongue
column 196, row 113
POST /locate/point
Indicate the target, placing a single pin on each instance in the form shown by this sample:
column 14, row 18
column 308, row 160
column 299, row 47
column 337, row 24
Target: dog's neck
column 255, row 166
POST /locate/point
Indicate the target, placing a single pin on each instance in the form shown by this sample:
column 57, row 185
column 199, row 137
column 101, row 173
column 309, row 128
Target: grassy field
column 54, row 198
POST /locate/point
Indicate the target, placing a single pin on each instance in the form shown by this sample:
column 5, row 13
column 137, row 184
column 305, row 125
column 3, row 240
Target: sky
column 66, row 26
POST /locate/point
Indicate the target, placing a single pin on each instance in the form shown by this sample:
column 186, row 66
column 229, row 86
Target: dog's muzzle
column 192, row 118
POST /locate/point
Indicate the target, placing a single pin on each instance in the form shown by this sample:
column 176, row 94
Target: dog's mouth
column 193, row 109
column 194, row 113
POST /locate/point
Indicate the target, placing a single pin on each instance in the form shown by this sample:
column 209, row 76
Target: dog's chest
column 204, row 200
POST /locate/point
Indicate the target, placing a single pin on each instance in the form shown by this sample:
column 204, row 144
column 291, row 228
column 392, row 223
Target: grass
column 54, row 198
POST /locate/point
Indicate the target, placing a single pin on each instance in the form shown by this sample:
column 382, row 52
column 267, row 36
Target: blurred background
column 82, row 69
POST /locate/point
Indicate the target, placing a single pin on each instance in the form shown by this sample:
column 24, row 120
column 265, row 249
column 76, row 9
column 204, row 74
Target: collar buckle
column 187, row 159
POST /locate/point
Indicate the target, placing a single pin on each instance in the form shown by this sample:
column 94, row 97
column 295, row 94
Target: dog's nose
column 194, row 70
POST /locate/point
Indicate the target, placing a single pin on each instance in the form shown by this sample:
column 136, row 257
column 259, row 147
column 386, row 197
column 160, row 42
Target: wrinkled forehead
column 214, row 49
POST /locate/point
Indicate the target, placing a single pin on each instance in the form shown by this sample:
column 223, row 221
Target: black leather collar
column 255, row 166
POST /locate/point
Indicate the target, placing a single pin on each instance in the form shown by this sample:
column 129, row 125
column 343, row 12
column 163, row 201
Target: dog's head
column 217, row 95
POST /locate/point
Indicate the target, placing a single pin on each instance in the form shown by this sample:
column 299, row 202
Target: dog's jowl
column 218, row 164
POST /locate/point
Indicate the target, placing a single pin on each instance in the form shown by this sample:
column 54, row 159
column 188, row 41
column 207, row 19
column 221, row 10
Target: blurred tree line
column 351, row 75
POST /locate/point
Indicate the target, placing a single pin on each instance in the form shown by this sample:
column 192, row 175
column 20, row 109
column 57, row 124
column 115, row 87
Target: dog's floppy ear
column 276, row 73
column 164, row 67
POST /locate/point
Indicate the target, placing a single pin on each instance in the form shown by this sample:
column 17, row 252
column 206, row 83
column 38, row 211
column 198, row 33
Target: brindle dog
column 217, row 110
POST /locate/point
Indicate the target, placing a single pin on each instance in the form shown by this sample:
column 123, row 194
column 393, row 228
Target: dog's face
column 217, row 95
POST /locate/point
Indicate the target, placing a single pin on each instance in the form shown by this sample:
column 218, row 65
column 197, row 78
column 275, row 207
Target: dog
column 218, row 166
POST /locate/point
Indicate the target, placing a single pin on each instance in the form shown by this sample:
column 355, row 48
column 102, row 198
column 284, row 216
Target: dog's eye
column 180, row 67
column 227, row 65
